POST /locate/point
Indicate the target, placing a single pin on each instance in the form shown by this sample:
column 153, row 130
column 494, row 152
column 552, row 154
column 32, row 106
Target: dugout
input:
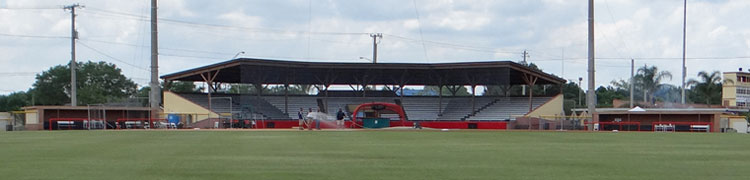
column 663, row 119
column 79, row 117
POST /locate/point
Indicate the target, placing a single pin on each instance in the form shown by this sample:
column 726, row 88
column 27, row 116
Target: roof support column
column 209, row 79
column 440, row 99
column 326, row 81
column 473, row 101
column 286, row 98
column 530, row 81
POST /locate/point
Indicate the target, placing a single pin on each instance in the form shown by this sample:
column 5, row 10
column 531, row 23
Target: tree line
column 101, row 82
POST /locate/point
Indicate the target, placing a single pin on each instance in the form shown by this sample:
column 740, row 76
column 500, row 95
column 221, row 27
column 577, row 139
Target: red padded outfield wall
column 429, row 124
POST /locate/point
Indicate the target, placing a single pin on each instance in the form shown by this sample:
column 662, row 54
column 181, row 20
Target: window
column 743, row 79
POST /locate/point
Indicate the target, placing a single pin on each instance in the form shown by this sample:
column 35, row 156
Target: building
column 666, row 119
column 441, row 110
column 5, row 120
column 49, row 117
column 736, row 89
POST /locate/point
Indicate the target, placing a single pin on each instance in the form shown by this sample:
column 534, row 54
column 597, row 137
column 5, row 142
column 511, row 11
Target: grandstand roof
column 267, row 71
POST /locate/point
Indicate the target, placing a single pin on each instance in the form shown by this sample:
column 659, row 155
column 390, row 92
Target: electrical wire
column 33, row 36
column 421, row 36
column 112, row 57
column 30, row 8
column 160, row 48
column 244, row 28
column 449, row 45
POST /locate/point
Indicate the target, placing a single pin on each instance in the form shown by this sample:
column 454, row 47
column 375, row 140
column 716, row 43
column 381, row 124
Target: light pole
column 368, row 59
column 579, row 90
column 238, row 54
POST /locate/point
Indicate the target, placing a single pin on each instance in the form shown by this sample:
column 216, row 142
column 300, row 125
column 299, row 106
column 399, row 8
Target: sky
column 34, row 35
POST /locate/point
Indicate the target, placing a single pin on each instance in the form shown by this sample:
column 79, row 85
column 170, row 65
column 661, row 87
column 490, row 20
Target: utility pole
column 632, row 80
column 73, row 37
column 562, row 62
column 591, row 96
column 525, row 55
column 684, row 68
column 375, row 37
column 155, row 97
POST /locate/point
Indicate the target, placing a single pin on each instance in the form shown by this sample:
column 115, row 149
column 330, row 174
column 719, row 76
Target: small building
column 736, row 89
column 5, row 119
column 665, row 119
column 39, row 117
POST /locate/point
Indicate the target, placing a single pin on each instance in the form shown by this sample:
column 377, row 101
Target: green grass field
column 459, row 154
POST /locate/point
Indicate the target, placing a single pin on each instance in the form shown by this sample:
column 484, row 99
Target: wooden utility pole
column 375, row 37
column 73, row 65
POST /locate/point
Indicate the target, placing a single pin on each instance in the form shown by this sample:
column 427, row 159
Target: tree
column 623, row 86
column 605, row 95
column 649, row 79
column 97, row 82
column 499, row 90
column 433, row 91
column 181, row 87
column 570, row 92
column 247, row 89
column 708, row 88
column 14, row 101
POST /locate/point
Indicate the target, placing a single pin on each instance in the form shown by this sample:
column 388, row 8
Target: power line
column 449, row 45
column 112, row 57
column 33, row 36
column 18, row 73
column 267, row 30
column 617, row 29
column 255, row 29
column 258, row 56
column 160, row 48
column 30, row 8
column 421, row 36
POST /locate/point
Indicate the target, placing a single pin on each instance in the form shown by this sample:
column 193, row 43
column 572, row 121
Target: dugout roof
column 267, row 71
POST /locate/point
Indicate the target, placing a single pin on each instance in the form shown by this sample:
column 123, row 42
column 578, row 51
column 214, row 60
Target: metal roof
column 267, row 71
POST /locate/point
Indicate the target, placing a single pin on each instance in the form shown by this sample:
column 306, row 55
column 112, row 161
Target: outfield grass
column 371, row 155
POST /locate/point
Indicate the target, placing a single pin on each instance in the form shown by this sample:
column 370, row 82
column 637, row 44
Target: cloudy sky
column 33, row 35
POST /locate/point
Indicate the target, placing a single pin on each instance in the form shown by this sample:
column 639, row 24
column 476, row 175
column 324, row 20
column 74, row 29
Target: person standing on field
column 301, row 118
column 308, row 120
column 317, row 122
column 340, row 119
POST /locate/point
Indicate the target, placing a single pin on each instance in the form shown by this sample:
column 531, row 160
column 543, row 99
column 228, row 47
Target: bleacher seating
column 507, row 108
column 422, row 108
column 294, row 104
column 460, row 107
column 334, row 103
column 220, row 104
column 416, row 108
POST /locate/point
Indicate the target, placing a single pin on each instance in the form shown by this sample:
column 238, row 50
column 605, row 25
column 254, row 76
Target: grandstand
column 416, row 107
column 279, row 108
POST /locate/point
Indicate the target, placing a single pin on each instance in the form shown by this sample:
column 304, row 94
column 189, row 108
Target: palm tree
column 620, row 84
column 649, row 79
column 708, row 89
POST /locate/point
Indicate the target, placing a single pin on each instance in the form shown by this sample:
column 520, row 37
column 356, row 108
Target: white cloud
column 625, row 28
column 461, row 20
